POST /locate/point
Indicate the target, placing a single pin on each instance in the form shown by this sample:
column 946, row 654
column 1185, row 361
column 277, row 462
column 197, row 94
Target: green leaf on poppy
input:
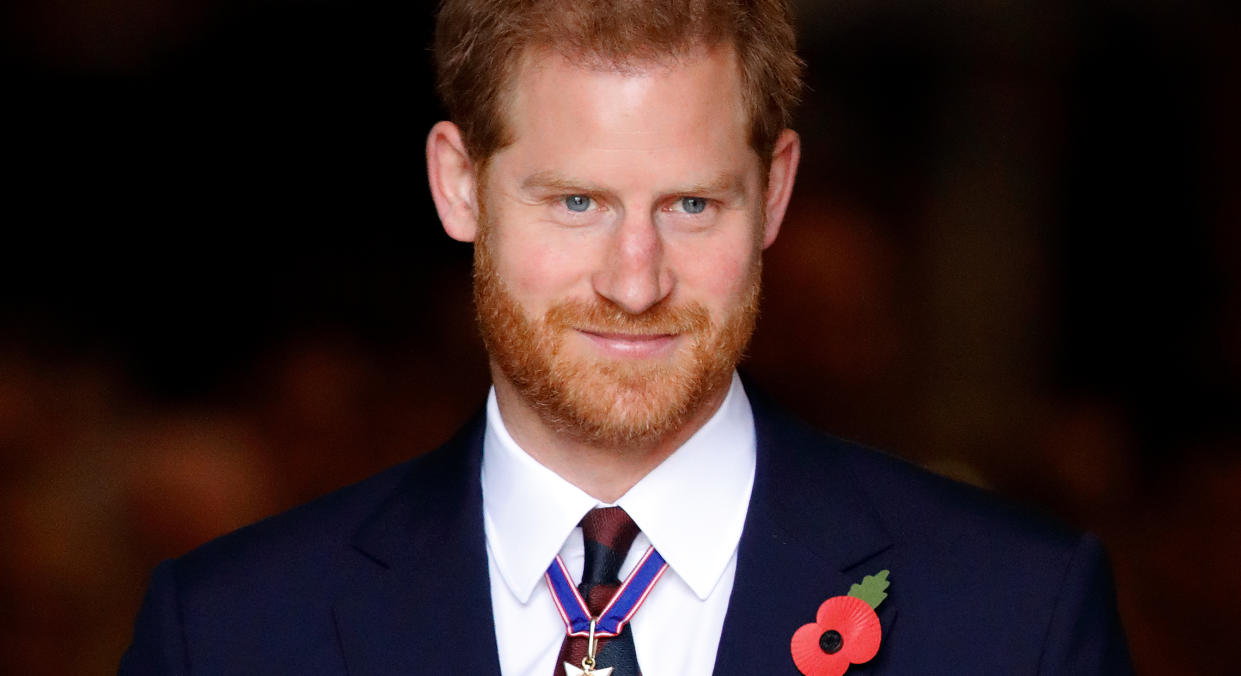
column 872, row 588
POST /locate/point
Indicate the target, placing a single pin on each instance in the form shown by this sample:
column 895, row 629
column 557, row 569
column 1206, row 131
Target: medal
column 588, row 662
column 620, row 609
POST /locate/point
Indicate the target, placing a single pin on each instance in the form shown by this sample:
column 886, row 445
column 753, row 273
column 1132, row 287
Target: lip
column 629, row 345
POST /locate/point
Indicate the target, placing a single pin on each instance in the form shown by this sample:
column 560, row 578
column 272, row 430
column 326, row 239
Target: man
column 620, row 167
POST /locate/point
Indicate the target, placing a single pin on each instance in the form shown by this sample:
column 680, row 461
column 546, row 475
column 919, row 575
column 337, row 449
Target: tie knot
column 607, row 533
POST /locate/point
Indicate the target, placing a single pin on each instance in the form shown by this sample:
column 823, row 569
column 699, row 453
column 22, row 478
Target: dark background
column 1012, row 257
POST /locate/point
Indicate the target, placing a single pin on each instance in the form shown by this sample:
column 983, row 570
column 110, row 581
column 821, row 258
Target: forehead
column 557, row 102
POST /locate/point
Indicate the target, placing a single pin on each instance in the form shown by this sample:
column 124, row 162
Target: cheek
column 542, row 270
column 717, row 273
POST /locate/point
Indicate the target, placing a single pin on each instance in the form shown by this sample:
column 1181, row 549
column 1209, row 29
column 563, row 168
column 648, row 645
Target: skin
column 641, row 145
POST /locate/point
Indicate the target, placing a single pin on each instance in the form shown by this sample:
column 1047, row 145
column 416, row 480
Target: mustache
column 603, row 316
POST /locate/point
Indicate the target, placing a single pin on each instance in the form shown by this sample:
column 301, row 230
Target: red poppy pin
column 845, row 631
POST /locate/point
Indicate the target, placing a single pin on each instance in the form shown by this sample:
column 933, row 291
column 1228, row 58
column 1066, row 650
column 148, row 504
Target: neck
column 605, row 472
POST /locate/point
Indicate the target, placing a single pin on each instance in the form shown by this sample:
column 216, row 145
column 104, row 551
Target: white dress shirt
column 691, row 508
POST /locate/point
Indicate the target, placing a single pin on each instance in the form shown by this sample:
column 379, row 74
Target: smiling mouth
column 631, row 344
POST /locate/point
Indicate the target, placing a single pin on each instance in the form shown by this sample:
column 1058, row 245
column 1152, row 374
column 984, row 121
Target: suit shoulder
column 918, row 506
column 891, row 472
column 303, row 534
column 321, row 531
column 263, row 597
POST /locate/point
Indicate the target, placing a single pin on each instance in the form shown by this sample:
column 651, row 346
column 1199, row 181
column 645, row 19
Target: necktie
column 607, row 532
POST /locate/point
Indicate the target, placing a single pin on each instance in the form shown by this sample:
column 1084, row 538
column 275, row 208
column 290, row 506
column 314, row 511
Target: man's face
column 617, row 264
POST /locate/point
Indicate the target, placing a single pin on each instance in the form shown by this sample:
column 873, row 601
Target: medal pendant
column 588, row 662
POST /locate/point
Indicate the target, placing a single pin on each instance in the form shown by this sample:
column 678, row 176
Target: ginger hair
column 480, row 45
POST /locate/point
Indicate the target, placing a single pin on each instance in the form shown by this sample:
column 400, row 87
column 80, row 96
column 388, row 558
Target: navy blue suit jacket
column 389, row 576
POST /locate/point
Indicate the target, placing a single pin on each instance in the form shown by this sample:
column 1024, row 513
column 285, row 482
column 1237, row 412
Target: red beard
column 621, row 403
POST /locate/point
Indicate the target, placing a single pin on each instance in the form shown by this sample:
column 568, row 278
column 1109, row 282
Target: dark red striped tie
column 607, row 532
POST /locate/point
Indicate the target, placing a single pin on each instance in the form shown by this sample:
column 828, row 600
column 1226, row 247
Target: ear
column 451, row 175
column 780, row 177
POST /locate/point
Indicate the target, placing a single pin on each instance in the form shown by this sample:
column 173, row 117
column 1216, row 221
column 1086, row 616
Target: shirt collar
column 692, row 506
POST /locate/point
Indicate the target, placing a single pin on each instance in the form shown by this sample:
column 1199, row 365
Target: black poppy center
column 831, row 641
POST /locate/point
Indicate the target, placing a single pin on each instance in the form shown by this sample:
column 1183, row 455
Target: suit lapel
column 423, row 601
column 810, row 533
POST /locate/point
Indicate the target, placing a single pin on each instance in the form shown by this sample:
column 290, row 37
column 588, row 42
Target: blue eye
column 693, row 205
column 578, row 203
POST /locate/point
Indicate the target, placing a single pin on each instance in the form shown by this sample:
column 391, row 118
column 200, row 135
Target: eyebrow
column 552, row 181
column 724, row 183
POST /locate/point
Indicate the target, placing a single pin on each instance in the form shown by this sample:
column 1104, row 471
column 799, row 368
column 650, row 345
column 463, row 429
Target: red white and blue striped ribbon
column 620, row 609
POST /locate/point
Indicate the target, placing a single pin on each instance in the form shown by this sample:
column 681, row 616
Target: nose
column 632, row 274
